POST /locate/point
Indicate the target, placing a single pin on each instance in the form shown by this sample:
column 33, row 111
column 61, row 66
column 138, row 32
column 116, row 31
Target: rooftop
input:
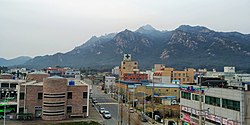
column 12, row 80
column 38, row 72
column 163, row 85
column 56, row 77
column 76, row 81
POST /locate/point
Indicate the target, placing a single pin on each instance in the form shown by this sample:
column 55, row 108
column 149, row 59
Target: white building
column 150, row 74
column 219, row 105
column 115, row 70
column 229, row 74
column 73, row 73
column 109, row 83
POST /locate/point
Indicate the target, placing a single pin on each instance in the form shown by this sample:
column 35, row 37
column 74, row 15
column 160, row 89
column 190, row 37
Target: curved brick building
column 54, row 98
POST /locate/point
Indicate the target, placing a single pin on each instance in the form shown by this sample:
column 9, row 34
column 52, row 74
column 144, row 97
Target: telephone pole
column 200, row 103
column 152, row 100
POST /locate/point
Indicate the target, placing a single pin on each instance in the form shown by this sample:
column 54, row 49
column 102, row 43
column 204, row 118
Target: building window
column 175, row 90
column 69, row 95
column 212, row 100
column 174, row 74
column 84, row 109
column 13, row 85
column 69, row 109
column 40, row 95
column 231, row 104
column 196, row 97
column 5, row 85
column 183, row 74
column 167, row 90
column 85, row 94
column 186, row 95
column 21, row 96
column 123, row 67
column 21, row 110
column 183, row 79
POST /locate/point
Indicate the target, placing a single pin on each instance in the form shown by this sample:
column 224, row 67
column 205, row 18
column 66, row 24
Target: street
column 110, row 104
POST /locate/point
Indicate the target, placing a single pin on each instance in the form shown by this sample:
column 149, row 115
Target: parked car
column 94, row 100
column 143, row 117
column 106, row 114
column 101, row 110
column 131, row 110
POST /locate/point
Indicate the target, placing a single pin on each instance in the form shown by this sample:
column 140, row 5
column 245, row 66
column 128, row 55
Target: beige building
column 128, row 66
column 168, row 75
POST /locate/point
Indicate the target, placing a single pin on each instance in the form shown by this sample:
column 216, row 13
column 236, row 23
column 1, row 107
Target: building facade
column 128, row 66
column 109, row 84
column 137, row 77
column 227, row 106
column 55, row 98
column 168, row 75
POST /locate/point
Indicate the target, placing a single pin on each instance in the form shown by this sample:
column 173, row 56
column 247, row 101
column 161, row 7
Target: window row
column 69, row 109
column 215, row 101
column 40, row 95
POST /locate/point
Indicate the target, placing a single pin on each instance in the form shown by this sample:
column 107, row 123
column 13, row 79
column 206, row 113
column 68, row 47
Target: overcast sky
column 41, row 27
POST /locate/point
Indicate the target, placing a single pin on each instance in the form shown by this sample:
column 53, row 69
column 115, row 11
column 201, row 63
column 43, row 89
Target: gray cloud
column 32, row 28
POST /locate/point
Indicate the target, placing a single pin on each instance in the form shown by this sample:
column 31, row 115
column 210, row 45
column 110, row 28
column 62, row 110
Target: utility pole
column 128, row 109
column 200, row 104
column 152, row 100
column 164, row 111
column 118, row 99
column 133, row 105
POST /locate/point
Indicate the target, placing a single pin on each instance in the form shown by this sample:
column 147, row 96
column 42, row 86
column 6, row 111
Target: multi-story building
column 72, row 74
column 227, row 106
column 109, row 84
column 115, row 70
column 128, row 66
column 37, row 76
column 129, row 90
column 6, row 76
column 129, row 70
column 55, row 98
column 137, row 77
column 229, row 74
column 8, row 91
column 161, row 91
column 167, row 75
column 55, row 71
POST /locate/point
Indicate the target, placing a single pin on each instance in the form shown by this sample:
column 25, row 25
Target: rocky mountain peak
column 146, row 29
column 187, row 46
column 193, row 29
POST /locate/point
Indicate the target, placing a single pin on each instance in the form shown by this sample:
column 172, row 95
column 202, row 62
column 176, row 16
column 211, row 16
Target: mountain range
column 186, row 46
column 15, row 61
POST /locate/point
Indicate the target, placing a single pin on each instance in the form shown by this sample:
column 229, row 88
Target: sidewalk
column 93, row 116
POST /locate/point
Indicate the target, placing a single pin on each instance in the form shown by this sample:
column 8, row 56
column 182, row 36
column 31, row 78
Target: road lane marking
column 107, row 103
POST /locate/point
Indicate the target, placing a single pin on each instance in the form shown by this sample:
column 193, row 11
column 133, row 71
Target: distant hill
column 186, row 46
column 16, row 61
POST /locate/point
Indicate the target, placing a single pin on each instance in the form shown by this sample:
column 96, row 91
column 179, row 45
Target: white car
column 131, row 110
column 102, row 110
column 106, row 114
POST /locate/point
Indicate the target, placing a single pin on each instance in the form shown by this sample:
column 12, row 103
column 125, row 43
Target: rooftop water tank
column 71, row 83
